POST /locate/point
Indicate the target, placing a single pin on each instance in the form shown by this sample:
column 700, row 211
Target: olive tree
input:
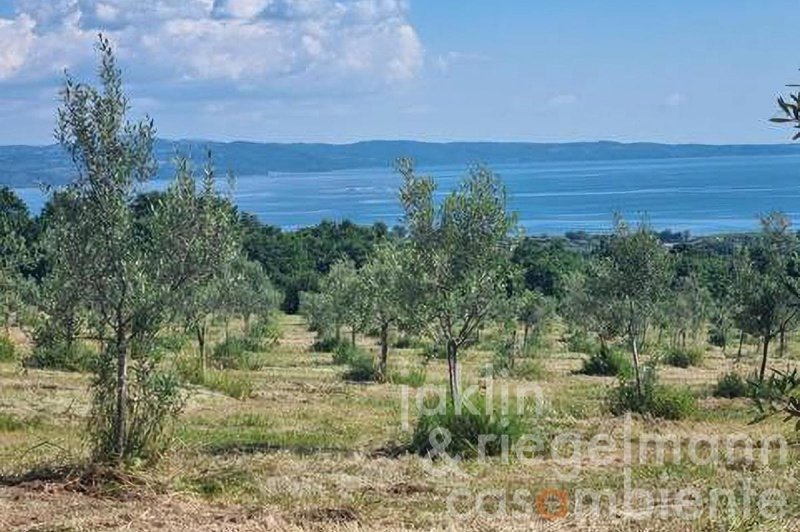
column 129, row 274
column 628, row 281
column 765, row 284
column 380, row 296
column 533, row 309
column 460, row 266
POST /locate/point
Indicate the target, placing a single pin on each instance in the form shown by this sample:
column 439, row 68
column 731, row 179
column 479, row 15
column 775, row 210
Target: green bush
column 434, row 352
column 530, row 369
column 657, row 400
column 361, row 368
column 415, row 378
column 581, row 342
column 344, row 353
column 237, row 352
column 406, row 341
column 731, row 385
column 267, row 331
column 607, row 363
column 188, row 369
column 672, row 403
column 8, row 351
column 464, row 430
column 327, row 344
column 77, row 357
column 683, row 358
column 173, row 342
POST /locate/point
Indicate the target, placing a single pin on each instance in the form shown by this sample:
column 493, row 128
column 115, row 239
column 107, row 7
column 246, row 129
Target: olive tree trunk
column 452, row 369
column 383, row 361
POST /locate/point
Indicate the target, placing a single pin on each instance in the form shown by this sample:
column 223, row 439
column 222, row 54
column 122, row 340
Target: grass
column 8, row 351
column 307, row 450
column 236, row 385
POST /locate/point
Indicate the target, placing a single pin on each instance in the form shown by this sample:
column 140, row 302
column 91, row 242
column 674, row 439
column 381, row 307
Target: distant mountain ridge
column 22, row 166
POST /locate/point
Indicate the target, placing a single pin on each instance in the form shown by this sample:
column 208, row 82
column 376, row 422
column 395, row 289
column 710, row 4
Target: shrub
column 656, row 399
column 188, row 369
column 464, row 429
column 361, row 368
column 529, row 369
column 581, row 342
column 406, row 341
column 415, row 378
column 434, row 352
column 157, row 397
column 607, row 363
column 683, row 358
column 8, row 351
column 731, row 385
column 237, row 352
column 267, row 330
column 75, row 357
column 672, row 403
column 326, row 344
column 174, row 342
column 345, row 352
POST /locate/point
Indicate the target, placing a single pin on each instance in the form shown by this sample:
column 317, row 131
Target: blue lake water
column 702, row 195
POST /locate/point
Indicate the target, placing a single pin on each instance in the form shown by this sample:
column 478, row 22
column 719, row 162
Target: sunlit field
column 306, row 449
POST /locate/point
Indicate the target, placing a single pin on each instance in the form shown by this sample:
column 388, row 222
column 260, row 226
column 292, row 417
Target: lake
column 701, row 195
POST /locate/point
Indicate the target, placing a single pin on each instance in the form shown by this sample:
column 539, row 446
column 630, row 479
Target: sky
column 440, row 70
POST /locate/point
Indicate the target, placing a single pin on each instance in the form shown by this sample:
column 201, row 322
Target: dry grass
column 304, row 453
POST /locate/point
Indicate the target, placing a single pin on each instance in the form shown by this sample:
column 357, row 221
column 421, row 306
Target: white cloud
column 16, row 38
column 350, row 44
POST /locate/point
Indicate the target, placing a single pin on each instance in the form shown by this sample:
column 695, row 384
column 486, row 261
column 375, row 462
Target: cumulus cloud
column 15, row 43
column 252, row 43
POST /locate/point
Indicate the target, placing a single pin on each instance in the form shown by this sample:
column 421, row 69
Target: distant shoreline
column 25, row 166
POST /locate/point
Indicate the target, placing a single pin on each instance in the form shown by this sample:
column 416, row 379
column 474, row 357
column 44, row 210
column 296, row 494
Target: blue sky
column 347, row 70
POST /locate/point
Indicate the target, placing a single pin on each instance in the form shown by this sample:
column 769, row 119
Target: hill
column 28, row 165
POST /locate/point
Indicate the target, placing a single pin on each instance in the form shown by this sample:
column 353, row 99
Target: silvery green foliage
column 334, row 305
column 130, row 272
column 238, row 288
column 460, row 267
column 766, row 275
column 626, row 284
column 380, row 295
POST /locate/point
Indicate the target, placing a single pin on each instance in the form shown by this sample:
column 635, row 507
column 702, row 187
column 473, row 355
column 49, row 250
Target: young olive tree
column 685, row 308
column 319, row 311
column 533, row 309
column 766, row 284
column 129, row 273
column 460, row 252
column 339, row 289
column 380, row 294
column 246, row 291
column 629, row 280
